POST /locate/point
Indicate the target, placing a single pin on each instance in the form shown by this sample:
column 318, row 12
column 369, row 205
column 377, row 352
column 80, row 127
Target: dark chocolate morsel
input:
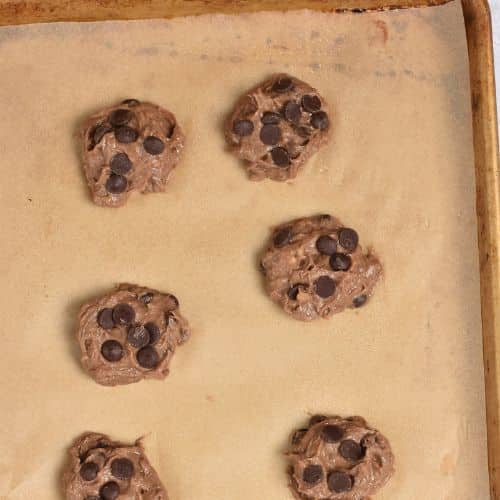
column 283, row 84
column 293, row 292
column 320, row 120
column 292, row 112
column 105, row 318
column 154, row 332
column 137, row 336
column 270, row 118
column 109, row 491
column 243, row 127
column 97, row 133
column 153, row 145
column 270, row 134
column 112, row 351
column 280, row 157
column 122, row 468
column 332, row 433
column 126, row 134
column 298, row 435
column 326, row 245
column 339, row 482
column 316, row 419
column 312, row 474
column 123, row 314
column 120, row 117
column 147, row 357
column 131, row 102
column 282, row 237
column 348, row 239
column 311, row 103
column 324, row 286
column 116, row 184
column 351, row 450
column 359, row 301
column 340, row 262
column 88, row 471
column 120, row 164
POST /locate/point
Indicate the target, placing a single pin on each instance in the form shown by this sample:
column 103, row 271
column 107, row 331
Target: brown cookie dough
column 277, row 126
column 133, row 146
column 314, row 267
column 339, row 459
column 130, row 334
column 101, row 469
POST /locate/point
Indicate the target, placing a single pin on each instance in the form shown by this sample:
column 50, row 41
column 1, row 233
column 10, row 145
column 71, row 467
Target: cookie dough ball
column 339, row 459
column 314, row 267
column 130, row 334
column 101, row 469
column 277, row 127
column 133, row 146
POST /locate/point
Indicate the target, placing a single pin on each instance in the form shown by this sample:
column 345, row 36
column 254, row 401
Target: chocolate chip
column 120, row 164
column 316, row 419
column 298, row 435
column 131, row 102
column 351, row 450
column 97, row 133
column 88, row 471
column 340, row 262
column 122, row 468
column 293, row 292
column 326, row 245
column 311, row 103
column 332, row 433
column 105, row 318
column 283, row 84
column 126, row 134
column 280, row 157
column 339, row 481
column 174, row 299
column 153, row 145
column 270, row 135
column 282, row 237
column 116, row 184
column 123, row 314
column 348, row 238
column 359, row 301
column 312, row 474
column 303, row 132
column 324, row 286
column 320, row 120
column 109, row 491
column 243, row 127
column 147, row 357
column 146, row 298
column 270, row 118
column 112, row 351
column 154, row 332
column 137, row 336
column 292, row 112
column 120, row 117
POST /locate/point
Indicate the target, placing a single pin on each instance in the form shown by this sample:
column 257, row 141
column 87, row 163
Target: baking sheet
column 399, row 169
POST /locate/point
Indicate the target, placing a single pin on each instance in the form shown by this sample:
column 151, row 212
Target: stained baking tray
column 217, row 426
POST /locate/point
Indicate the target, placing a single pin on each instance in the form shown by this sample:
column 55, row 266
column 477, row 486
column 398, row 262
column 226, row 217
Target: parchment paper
column 399, row 169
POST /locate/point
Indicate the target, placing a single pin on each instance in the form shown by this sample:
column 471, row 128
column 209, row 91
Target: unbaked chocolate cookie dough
column 277, row 126
column 101, row 469
column 314, row 267
column 130, row 334
column 339, row 459
column 133, row 146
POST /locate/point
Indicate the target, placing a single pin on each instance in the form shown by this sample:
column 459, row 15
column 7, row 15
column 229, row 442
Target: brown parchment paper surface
column 399, row 169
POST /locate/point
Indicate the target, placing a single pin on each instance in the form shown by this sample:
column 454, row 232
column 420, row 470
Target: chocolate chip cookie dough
column 133, row 146
column 130, row 334
column 314, row 267
column 101, row 469
column 277, row 126
column 338, row 458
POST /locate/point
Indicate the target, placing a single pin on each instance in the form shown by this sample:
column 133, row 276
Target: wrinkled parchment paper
column 399, row 169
